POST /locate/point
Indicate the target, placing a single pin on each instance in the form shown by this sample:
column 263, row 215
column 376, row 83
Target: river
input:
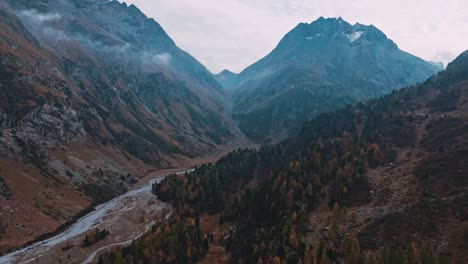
column 127, row 217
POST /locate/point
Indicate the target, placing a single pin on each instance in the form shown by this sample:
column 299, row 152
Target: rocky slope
column 131, row 73
column 317, row 68
column 93, row 96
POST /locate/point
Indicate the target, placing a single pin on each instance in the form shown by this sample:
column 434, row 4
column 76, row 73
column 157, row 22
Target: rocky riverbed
column 126, row 217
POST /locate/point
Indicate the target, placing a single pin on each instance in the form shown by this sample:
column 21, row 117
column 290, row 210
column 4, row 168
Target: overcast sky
column 232, row 34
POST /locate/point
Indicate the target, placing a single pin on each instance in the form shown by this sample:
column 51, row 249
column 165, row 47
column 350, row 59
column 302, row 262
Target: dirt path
column 102, row 249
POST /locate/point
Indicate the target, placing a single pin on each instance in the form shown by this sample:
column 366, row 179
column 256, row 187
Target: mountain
column 227, row 79
column 320, row 67
column 383, row 181
column 94, row 96
column 131, row 67
column 439, row 65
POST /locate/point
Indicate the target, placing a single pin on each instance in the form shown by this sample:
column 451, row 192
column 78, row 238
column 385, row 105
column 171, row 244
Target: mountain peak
column 330, row 22
column 226, row 72
column 331, row 34
column 329, row 19
column 227, row 79
column 336, row 28
column 284, row 88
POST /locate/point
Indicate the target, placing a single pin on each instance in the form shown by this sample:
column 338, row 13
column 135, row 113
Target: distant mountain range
column 319, row 67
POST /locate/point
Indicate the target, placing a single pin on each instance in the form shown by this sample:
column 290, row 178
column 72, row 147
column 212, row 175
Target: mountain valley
column 86, row 109
column 117, row 146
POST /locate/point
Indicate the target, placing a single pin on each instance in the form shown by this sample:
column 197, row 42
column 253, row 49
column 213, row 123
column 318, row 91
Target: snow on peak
column 318, row 35
column 354, row 36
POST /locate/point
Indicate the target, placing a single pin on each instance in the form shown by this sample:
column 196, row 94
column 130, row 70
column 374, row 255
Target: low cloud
column 444, row 56
column 41, row 23
column 55, row 34
column 163, row 58
column 48, row 28
column 37, row 17
column 154, row 62
column 43, row 26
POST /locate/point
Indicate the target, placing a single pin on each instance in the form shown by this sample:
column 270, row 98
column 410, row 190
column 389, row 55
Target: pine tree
column 293, row 240
column 355, row 251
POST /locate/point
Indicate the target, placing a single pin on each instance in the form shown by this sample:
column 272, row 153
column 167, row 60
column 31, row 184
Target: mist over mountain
column 123, row 67
column 320, row 67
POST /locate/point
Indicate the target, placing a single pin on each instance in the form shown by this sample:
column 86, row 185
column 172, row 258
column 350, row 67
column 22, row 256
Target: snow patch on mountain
column 354, row 36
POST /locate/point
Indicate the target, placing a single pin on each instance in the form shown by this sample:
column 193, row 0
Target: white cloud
column 163, row 58
column 42, row 22
column 152, row 62
column 39, row 18
column 43, row 25
column 55, row 34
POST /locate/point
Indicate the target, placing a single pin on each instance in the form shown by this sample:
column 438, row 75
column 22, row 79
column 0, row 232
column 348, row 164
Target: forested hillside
column 380, row 182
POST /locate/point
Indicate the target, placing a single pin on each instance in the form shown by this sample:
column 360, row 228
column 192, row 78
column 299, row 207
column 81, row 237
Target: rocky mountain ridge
column 320, row 67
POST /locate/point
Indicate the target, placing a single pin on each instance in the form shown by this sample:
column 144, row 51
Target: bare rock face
column 43, row 128
column 6, row 137
column 51, row 126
